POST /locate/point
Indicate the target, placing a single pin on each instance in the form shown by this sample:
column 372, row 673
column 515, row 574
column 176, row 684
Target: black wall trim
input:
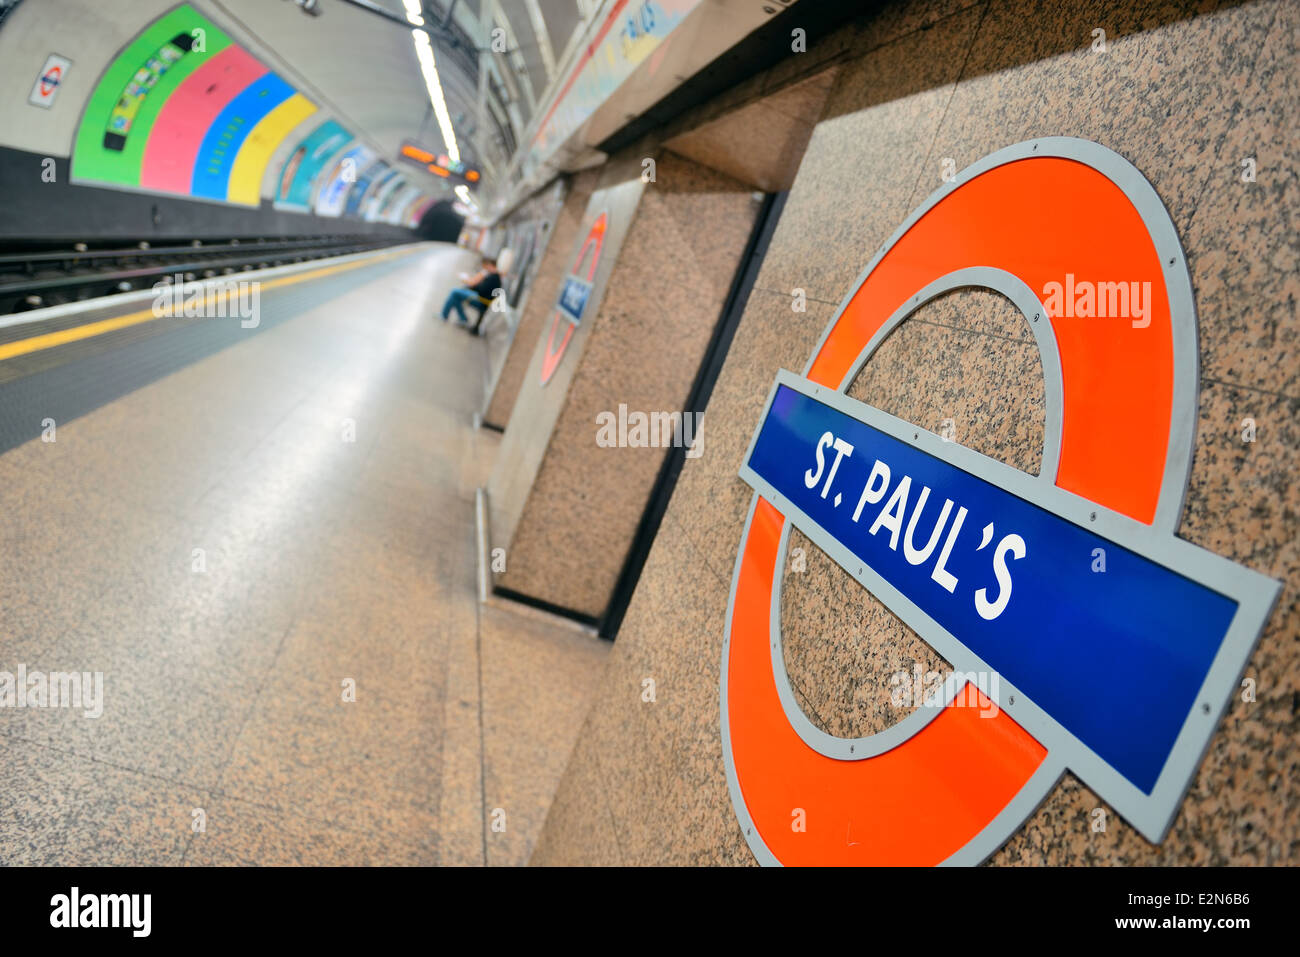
column 759, row 51
column 697, row 399
column 36, row 210
column 546, row 606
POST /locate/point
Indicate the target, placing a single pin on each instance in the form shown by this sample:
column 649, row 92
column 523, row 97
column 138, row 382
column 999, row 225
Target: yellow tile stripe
column 254, row 156
column 49, row 340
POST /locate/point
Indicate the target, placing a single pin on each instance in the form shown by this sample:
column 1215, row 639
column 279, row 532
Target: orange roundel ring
column 952, row 787
column 555, row 353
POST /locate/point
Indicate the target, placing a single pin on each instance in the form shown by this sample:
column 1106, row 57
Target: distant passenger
column 477, row 292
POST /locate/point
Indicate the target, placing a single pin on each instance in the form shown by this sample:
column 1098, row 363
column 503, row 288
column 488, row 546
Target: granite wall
column 537, row 407
column 538, row 305
column 567, row 531
column 524, row 236
column 1185, row 92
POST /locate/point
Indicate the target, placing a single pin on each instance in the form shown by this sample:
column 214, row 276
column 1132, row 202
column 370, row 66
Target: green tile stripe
column 91, row 162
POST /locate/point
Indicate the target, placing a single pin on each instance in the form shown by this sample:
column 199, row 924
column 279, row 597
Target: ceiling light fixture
column 429, row 67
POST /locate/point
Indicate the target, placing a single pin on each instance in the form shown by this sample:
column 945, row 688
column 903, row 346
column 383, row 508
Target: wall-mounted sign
column 306, row 163
column 573, row 297
column 361, row 187
column 575, row 292
column 185, row 110
column 414, row 212
column 385, row 187
column 51, row 78
column 400, row 204
column 629, row 34
column 335, row 187
column 1117, row 670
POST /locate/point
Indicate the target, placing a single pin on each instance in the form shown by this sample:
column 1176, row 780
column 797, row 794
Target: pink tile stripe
column 188, row 113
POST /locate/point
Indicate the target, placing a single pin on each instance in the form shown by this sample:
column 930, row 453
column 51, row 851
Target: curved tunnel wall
column 216, row 141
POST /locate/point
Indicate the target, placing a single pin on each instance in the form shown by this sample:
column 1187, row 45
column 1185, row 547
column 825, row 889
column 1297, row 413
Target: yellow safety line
column 91, row 329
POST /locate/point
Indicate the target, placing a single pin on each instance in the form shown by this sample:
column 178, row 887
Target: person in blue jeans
column 478, row 287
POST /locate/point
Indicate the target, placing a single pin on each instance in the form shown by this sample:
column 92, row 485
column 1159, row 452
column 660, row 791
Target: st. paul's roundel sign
column 1119, row 677
column 575, row 293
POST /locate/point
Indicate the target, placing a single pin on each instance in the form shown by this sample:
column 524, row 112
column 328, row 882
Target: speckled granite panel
column 1180, row 99
column 538, row 406
column 579, row 828
column 964, row 366
column 241, row 834
column 72, row 810
column 714, row 499
column 871, row 144
column 652, row 763
column 885, row 23
column 762, row 142
column 673, row 633
column 842, row 648
column 1243, row 243
column 537, row 678
column 536, row 314
column 802, row 101
column 898, row 18
column 1185, row 94
column 1138, row 97
column 1242, row 805
column 646, row 343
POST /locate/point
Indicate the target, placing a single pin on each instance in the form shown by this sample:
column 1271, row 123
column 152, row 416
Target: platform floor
column 230, row 527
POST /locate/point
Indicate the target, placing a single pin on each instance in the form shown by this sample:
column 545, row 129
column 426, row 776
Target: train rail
column 51, row 275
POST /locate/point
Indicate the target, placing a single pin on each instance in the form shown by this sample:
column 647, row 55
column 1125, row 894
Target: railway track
column 50, row 275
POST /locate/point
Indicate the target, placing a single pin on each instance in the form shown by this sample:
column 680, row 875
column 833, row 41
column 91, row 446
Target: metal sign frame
column 562, row 318
column 753, row 613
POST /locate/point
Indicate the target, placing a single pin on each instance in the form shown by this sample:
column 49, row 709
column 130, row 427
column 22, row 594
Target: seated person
column 477, row 292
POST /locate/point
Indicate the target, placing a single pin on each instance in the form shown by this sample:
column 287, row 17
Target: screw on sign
column 1119, row 678
column 574, row 296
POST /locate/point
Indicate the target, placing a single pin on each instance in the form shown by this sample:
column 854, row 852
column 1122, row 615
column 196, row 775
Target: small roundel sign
column 575, row 293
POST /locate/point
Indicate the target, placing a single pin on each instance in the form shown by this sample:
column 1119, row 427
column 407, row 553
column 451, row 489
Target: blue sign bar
column 573, row 297
column 1116, row 657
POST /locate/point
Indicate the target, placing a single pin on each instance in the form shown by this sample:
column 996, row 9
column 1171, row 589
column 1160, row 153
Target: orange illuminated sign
column 440, row 164
column 411, row 151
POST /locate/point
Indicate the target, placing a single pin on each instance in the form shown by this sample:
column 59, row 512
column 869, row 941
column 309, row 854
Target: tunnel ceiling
column 532, row 87
column 357, row 64
column 364, row 66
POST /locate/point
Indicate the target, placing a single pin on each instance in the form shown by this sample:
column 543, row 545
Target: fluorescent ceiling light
column 413, row 12
column 424, row 53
